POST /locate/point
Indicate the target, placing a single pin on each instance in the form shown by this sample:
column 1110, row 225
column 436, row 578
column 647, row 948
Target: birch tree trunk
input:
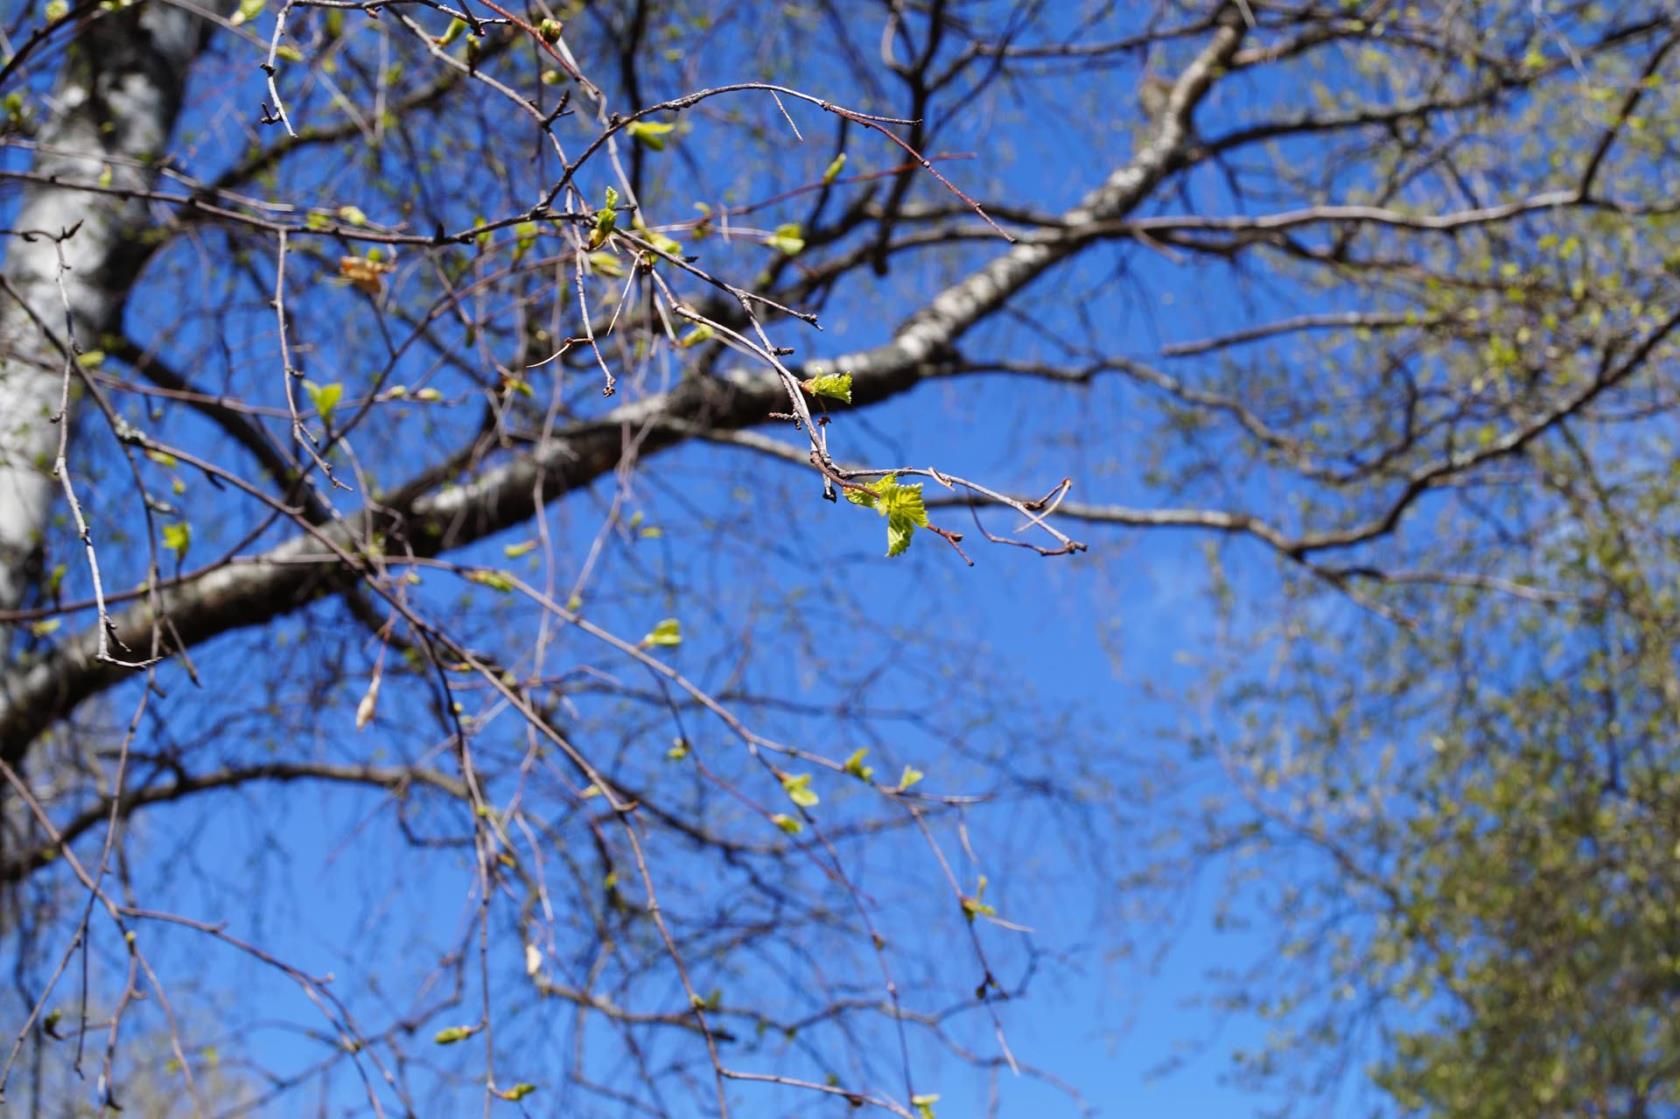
column 107, row 122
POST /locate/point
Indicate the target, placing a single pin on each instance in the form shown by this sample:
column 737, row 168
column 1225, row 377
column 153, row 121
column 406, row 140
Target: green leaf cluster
column 902, row 506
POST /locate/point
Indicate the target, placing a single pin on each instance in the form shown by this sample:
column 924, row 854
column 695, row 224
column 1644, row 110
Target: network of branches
column 450, row 661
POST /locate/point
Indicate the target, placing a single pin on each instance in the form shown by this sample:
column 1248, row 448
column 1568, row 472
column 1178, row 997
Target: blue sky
column 1081, row 637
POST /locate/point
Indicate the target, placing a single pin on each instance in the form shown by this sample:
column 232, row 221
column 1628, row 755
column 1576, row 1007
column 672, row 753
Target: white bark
column 108, row 121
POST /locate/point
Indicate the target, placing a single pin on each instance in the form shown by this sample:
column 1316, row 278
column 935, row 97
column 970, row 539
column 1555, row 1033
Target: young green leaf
column 495, row 580
column 324, row 397
column 798, row 790
column 450, row 33
column 901, row 505
column 788, row 238
column 606, row 264
column 663, row 243
column 899, row 531
column 524, row 548
column 453, row 1034
column 855, row 766
column 649, row 133
column 517, row 1092
column 606, row 220
column 832, row 171
column 658, row 240
column 524, row 236
column 789, row 824
column 835, row 386
column 701, row 333
column 973, row 906
column 177, row 538
column 923, row 1104
column 664, row 635
column 910, row 777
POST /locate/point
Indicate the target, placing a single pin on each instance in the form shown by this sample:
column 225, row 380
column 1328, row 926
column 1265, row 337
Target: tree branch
column 423, row 520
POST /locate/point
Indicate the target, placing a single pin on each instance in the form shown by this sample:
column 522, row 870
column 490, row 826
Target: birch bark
column 108, row 122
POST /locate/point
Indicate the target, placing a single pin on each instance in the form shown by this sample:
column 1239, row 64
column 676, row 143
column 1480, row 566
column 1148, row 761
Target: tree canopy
column 538, row 544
